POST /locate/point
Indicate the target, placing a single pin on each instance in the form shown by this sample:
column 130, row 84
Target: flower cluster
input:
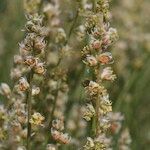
column 26, row 65
column 43, row 109
column 98, row 59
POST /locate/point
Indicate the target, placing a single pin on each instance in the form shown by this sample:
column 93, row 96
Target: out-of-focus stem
column 73, row 24
column 94, row 5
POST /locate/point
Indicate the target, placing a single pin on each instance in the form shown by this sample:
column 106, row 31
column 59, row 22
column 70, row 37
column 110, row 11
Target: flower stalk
column 29, row 106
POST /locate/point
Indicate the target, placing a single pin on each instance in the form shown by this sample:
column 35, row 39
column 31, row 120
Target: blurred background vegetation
column 131, row 92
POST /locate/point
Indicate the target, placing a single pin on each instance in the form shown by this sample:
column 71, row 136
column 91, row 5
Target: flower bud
column 5, row 89
column 35, row 91
column 64, row 138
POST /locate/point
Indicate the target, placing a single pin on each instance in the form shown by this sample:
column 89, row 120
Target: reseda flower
column 125, row 140
column 64, row 138
column 21, row 148
column 16, row 73
column 58, row 124
column 116, row 119
column 35, row 91
column 105, row 58
column 94, row 88
column 107, row 74
column 57, row 134
column 16, row 127
column 61, row 35
column 39, row 44
column 96, row 44
column 89, row 144
column 30, row 61
column 60, row 137
column 110, row 37
column 91, row 60
column 23, row 84
column 50, row 147
column 39, row 68
column 106, row 106
column 18, row 59
column 31, row 6
column 37, row 119
column 88, row 112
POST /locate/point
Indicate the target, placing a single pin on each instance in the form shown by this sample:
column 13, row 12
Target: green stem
column 73, row 25
column 29, row 107
column 94, row 5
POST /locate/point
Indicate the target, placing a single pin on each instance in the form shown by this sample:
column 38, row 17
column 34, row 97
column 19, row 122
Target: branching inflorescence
column 35, row 113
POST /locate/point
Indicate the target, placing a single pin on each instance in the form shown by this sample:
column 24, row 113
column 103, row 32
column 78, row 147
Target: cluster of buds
column 98, row 58
column 28, row 63
column 57, row 134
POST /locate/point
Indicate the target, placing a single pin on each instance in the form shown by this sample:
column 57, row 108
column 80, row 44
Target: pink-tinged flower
column 107, row 74
column 96, row 44
column 105, row 58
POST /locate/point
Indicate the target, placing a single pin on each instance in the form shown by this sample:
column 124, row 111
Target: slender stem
column 97, row 115
column 73, row 25
column 29, row 105
column 94, row 5
column 54, row 105
column 95, row 120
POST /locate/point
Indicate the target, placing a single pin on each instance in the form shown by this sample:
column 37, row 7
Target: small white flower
column 107, row 74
